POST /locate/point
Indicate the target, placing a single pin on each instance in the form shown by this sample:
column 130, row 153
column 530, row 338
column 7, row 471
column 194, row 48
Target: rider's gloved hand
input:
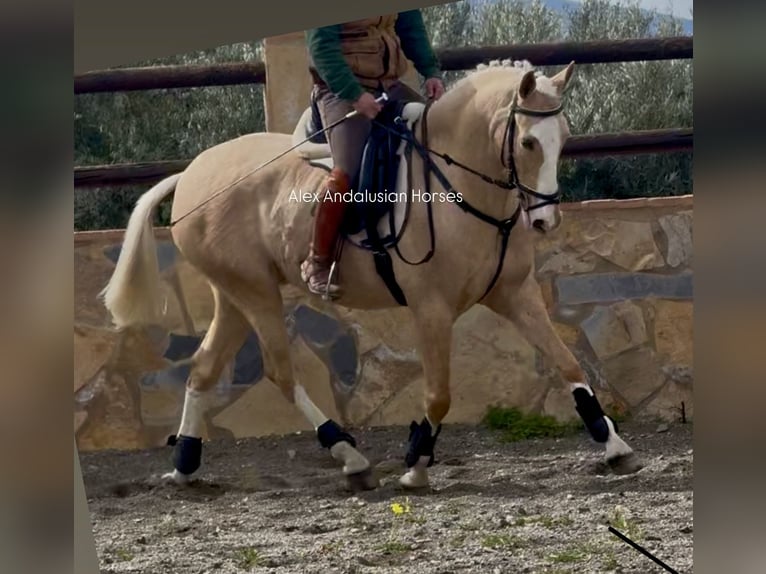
column 434, row 88
column 367, row 106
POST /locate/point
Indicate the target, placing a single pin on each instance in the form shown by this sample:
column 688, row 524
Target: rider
column 352, row 64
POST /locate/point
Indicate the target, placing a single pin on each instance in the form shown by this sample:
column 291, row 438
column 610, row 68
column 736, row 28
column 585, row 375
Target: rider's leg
column 402, row 92
column 346, row 141
column 327, row 221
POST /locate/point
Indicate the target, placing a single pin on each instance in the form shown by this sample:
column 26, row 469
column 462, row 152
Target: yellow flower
column 398, row 508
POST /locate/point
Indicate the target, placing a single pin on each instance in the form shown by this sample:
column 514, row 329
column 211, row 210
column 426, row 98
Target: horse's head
column 529, row 134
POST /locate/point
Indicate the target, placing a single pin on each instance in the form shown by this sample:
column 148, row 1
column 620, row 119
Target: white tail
column 132, row 295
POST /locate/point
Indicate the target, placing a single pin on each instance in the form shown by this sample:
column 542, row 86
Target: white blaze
column 548, row 134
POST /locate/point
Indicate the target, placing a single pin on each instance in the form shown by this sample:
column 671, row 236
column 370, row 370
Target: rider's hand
column 367, row 106
column 434, row 88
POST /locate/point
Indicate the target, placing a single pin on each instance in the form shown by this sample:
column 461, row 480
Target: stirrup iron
column 328, row 286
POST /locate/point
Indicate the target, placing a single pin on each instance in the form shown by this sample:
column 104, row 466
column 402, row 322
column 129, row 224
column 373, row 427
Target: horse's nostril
column 539, row 224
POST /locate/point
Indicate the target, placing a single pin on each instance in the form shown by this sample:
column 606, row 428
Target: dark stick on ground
column 646, row 553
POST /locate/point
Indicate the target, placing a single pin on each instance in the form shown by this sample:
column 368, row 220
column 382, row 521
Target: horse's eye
column 527, row 142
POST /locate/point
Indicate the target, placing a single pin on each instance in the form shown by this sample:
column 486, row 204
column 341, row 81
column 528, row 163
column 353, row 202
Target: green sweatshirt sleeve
column 327, row 57
column 415, row 43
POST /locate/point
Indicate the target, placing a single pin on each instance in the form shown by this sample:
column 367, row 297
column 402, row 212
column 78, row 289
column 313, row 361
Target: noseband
column 508, row 160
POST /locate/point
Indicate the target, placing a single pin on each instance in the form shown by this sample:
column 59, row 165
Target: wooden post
column 288, row 82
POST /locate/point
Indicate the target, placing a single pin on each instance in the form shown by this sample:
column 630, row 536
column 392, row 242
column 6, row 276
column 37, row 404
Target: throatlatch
column 330, row 433
column 422, row 442
column 592, row 414
column 187, row 453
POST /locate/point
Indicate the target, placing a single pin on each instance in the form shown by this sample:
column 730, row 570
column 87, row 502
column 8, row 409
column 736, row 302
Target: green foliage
column 123, row 555
column 568, row 555
column 249, row 558
column 580, row 552
column 603, row 97
column 178, row 124
column 157, row 125
column 516, row 425
column 626, row 524
column 516, row 22
column 501, row 541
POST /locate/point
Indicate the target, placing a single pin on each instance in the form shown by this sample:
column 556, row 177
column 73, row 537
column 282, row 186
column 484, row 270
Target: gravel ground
column 280, row 505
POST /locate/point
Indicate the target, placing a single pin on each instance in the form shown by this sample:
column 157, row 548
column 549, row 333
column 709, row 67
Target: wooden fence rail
column 547, row 54
column 639, row 142
column 163, row 77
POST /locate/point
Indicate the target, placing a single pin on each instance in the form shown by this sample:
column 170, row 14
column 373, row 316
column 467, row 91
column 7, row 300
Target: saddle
column 375, row 192
column 375, row 186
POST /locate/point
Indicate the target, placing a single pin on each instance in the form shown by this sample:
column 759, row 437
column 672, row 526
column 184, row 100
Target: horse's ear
column 528, row 84
column 561, row 79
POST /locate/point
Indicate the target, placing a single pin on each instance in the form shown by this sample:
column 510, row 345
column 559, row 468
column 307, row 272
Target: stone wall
column 617, row 278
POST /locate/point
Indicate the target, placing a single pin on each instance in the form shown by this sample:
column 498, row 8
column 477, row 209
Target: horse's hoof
column 625, row 464
column 364, row 480
column 416, row 477
column 177, row 478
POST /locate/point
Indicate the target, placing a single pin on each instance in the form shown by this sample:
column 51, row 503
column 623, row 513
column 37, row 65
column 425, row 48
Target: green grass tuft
column 516, row 426
column 626, row 525
column 123, row 555
column 568, row 556
column 249, row 558
column 609, row 562
column 395, row 547
column 500, row 541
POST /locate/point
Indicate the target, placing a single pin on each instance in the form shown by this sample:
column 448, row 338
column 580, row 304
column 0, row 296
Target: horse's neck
column 463, row 133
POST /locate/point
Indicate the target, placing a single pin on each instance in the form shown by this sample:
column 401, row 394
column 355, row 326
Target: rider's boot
column 315, row 270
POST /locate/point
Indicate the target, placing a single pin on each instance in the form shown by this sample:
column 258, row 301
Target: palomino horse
column 251, row 235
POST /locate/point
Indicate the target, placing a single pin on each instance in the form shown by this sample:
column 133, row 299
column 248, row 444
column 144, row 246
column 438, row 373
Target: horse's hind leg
column 525, row 307
column 224, row 338
column 264, row 311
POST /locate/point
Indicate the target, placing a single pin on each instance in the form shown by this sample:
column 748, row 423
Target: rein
column 504, row 226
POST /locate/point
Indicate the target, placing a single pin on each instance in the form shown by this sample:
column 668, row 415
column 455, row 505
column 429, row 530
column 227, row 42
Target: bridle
column 510, row 164
column 504, row 226
column 507, row 159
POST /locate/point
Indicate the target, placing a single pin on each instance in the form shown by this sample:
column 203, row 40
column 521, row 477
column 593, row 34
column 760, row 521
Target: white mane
column 522, row 66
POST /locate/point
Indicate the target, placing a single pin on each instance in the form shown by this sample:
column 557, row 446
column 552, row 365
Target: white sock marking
column 433, row 426
column 615, row 446
column 352, row 459
column 176, row 477
column 417, row 476
column 194, row 407
column 574, row 386
column 315, row 416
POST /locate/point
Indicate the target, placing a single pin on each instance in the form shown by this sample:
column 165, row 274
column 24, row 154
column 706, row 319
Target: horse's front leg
column 433, row 324
column 525, row 307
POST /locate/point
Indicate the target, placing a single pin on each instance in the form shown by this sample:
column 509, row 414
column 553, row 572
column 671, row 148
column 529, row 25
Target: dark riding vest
column 373, row 51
